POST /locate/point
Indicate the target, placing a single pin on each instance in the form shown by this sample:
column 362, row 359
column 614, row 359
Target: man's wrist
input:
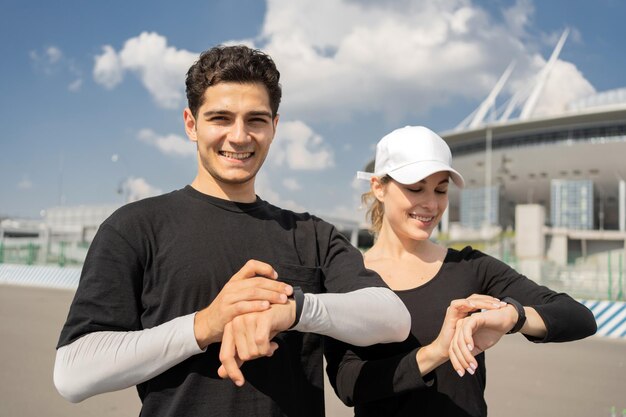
column 200, row 330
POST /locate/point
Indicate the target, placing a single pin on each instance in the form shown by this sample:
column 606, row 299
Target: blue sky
column 83, row 81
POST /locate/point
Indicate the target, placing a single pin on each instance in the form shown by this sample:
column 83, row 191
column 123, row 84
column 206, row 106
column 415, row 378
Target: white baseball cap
column 410, row 154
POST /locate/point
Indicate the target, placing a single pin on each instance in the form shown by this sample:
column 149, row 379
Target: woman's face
column 413, row 211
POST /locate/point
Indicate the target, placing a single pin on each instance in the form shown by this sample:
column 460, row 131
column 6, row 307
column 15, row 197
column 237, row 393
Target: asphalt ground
column 581, row 379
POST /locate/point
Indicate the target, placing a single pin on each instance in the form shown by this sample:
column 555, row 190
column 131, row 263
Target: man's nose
column 239, row 132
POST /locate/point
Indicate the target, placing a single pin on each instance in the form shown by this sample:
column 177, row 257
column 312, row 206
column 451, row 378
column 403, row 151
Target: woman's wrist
column 430, row 357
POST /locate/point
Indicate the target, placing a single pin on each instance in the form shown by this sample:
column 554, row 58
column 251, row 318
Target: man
column 180, row 291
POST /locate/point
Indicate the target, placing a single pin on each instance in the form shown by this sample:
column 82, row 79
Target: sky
column 92, row 93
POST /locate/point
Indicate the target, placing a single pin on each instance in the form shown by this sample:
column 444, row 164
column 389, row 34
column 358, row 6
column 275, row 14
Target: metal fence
column 25, row 252
column 600, row 278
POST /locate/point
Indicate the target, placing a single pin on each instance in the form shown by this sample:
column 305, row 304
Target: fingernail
column 472, row 304
column 473, row 366
column 470, row 347
column 283, row 298
column 502, row 303
column 266, row 304
column 288, row 289
column 458, row 371
column 239, row 382
column 470, row 370
column 497, row 304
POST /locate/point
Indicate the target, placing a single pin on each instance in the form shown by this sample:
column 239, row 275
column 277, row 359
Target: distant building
column 62, row 236
column 571, row 204
column 480, row 206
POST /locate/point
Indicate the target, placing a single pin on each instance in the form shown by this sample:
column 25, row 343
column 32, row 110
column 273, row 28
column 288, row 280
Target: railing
column 602, row 279
column 61, row 253
column 587, row 282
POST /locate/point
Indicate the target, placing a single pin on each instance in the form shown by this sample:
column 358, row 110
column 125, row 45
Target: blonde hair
column 376, row 209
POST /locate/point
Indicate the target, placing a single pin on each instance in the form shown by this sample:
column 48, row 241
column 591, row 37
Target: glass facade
column 571, row 204
column 473, row 203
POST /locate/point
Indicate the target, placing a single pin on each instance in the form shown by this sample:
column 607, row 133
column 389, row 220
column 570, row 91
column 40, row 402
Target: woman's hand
column 476, row 333
column 436, row 353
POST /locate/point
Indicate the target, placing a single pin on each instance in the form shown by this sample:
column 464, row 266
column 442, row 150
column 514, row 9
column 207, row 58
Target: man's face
column 233, row 130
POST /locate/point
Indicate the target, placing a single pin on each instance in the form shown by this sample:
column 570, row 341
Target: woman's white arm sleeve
column 362, row 317
column 112, row 360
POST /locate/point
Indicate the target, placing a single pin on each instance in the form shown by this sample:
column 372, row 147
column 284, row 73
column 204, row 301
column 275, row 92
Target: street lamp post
column 122, row 187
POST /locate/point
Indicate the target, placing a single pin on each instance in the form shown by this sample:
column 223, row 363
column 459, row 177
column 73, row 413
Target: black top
column 169, row 256
column 384, row 379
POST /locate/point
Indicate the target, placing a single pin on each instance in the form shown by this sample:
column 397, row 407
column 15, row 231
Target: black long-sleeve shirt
column 384, row 380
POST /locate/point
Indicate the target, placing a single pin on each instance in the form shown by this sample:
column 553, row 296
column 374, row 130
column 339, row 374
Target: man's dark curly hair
column 238, row 64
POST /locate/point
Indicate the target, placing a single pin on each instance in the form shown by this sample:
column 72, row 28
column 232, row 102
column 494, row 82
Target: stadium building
column 555, row 185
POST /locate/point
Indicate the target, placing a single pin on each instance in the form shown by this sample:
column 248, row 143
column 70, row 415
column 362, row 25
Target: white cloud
column 25, row 183
column 169, row 145
column 291, row 184
column 48, row 61
column 108, row 70
column 564, row 85
column 138, row 188
column 53, row 54
column 161, row 68
column 345, row 213
column 265, row 190
column 518, row 16
column 75, row 85
column 51, row 61
column 399, row 58
column 298, row 147
column 341, row 58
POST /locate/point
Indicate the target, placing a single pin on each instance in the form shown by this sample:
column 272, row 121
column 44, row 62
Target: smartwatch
column 298, row 297
column 521, row 314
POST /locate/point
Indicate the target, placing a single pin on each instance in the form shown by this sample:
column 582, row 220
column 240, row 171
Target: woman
column 440, row 369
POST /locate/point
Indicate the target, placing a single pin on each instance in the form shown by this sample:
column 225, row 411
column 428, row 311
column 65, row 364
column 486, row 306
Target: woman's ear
column 378, row 189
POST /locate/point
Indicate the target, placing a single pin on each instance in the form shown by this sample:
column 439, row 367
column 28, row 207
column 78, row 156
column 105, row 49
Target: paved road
column 582, row 379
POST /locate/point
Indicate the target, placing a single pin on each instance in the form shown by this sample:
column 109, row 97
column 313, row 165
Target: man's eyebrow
column 210, row 113
column 260, row 113
column 216, row 113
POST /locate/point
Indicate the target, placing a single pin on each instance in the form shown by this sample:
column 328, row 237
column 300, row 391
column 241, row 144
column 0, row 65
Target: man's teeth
column 236, row 155
column 420, row 218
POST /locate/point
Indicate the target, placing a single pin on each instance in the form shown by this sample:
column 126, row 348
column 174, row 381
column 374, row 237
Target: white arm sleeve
column 361, row 318
column 112, row 360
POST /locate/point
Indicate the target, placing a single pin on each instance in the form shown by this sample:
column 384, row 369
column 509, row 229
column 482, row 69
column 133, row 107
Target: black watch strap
column 298, row 297
column 521, row 314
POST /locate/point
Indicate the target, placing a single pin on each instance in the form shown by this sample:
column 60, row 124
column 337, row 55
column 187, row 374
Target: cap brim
column 412, row 173
column 362, row 175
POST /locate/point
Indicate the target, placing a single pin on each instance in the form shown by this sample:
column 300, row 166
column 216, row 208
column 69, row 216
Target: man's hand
column 252, row 289
column 477, row 333
column 249, row 337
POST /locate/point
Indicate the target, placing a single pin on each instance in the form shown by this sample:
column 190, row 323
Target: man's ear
column 190, row 125
column 275, row 123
